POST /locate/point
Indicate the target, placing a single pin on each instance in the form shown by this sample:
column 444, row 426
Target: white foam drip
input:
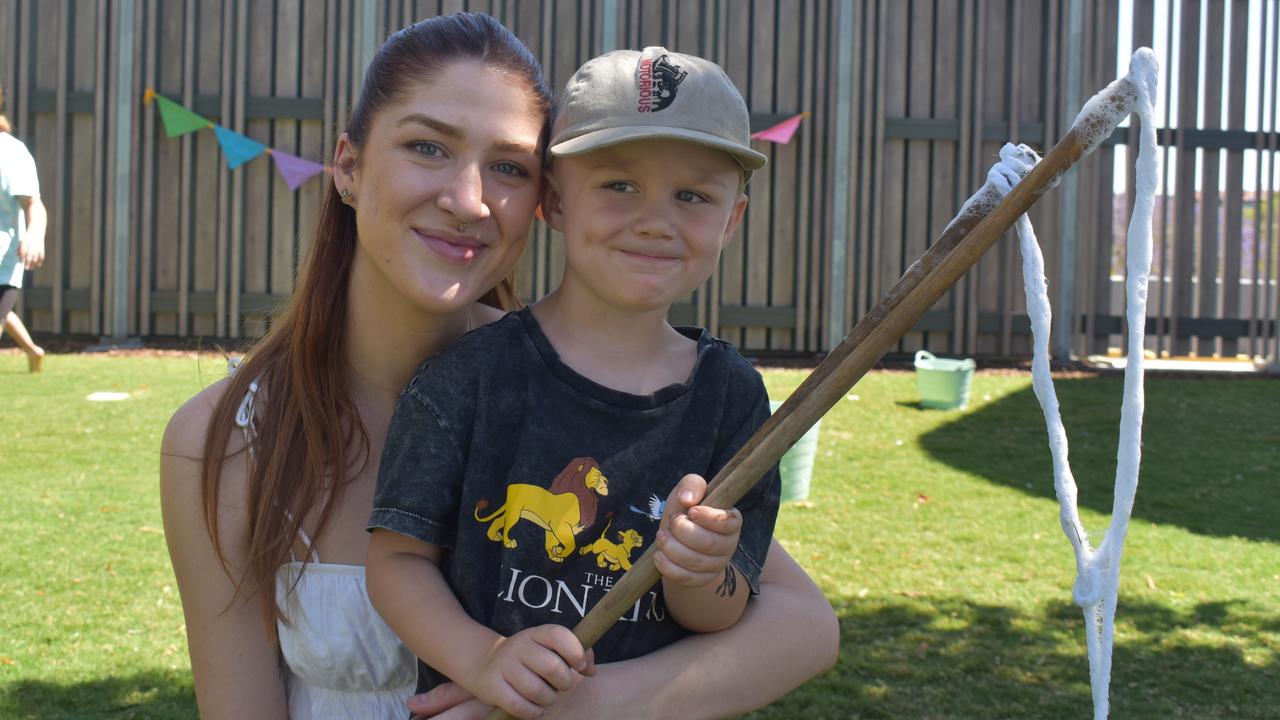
column 1107, row 109
column 1097, row 570
column 1017, row 159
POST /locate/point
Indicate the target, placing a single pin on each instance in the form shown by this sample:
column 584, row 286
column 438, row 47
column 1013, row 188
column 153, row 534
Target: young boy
column 527, row 466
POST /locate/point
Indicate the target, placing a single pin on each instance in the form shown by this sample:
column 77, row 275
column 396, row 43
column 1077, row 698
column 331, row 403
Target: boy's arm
column 703, row 540
column 408, row 590
column 522, row 674
column 702, row 589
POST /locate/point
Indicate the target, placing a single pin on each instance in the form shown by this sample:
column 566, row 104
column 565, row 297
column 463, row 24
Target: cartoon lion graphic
column 562, row 511
column 614, row 555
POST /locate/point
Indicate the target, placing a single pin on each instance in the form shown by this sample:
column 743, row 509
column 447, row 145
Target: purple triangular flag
column 293, row 169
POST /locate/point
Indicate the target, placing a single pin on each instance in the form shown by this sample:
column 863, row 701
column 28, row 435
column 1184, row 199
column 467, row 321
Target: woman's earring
column 346, row 195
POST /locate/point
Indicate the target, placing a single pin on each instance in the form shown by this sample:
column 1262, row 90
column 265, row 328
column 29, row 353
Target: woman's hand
column 447, row 702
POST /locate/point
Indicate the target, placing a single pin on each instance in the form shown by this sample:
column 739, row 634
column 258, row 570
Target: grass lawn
column 934, row 534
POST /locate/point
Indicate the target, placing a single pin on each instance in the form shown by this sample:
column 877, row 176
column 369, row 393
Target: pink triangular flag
column 782, row 132
column 293, row 169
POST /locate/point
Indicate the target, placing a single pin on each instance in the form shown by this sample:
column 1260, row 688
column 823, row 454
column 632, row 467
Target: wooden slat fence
column 936, row 87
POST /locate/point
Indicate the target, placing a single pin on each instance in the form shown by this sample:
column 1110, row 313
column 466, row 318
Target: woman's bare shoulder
column 184, row 436
column 233, row 660
column 182, row 454
column 182, row 451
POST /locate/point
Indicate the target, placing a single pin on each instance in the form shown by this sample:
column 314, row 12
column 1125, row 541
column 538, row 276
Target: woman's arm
column 705, row 676
column 725, row 673
column 235, row 663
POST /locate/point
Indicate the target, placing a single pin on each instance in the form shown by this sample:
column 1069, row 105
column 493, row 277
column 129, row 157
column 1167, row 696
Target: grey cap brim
column 749, row 159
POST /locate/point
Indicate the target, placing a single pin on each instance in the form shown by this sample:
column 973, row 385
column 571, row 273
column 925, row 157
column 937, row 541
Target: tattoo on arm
column 730, row 584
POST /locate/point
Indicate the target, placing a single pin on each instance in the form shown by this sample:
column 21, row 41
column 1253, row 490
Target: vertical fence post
column 1275, row 348
column 836, row 321
column 609, row 26
column 1064, row 318
column 369, row 36
column 120, row 231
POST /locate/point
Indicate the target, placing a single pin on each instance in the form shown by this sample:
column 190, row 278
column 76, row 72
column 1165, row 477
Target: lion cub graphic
column 616, row 556
column 563, row 511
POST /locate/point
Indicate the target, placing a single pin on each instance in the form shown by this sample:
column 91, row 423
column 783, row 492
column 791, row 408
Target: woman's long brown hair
column 309, row 439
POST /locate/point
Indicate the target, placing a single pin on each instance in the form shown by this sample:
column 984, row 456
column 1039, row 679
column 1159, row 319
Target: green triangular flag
column 177, row 119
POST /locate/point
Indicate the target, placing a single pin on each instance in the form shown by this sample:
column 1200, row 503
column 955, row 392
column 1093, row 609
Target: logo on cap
column 657, row 80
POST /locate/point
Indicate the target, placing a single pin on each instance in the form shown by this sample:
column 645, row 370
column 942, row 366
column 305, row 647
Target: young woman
column 267, row 477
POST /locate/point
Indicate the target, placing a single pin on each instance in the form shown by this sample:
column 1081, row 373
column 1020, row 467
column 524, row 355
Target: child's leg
column 13, row 324
column 8, row 299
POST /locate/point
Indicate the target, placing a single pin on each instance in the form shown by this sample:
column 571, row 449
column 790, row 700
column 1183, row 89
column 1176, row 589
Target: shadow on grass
column 953, row 658
column 912, row 405
column 143, row 696
column 1211, row 450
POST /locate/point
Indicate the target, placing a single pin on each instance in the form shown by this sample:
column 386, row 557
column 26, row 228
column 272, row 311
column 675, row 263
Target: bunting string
column 237, row 148
column 240, row 149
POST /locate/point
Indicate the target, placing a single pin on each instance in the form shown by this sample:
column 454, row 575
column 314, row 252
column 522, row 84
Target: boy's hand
column 695, row 542
column 525, row 673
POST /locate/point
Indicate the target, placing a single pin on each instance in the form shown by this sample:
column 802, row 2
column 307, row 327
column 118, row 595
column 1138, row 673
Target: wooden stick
column 982, row 221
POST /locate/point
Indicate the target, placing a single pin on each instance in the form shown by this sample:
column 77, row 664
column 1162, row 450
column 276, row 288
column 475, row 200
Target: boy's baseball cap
column 629, row 95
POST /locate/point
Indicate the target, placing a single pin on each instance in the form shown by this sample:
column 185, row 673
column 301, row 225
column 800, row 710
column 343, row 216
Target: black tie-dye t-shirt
column 543, row 486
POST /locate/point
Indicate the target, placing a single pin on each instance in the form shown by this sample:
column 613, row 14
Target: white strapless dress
column 342, row 660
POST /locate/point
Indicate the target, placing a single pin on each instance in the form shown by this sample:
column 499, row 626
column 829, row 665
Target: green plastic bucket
column 796, row 466
column 943, row 384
